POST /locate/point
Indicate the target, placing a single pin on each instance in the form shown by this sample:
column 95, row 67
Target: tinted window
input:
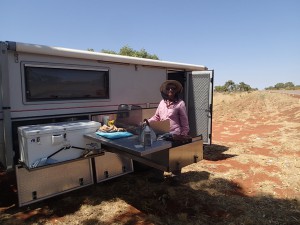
column 48, row 84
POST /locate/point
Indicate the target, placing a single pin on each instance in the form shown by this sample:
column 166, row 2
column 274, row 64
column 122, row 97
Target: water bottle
column 147, row 136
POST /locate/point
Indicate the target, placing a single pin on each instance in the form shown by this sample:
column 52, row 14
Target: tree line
column 284, row 86
column 128, row 51
column 229, row 85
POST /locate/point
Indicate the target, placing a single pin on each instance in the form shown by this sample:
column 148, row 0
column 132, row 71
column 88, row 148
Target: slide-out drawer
column 44, row 182
column 111, row 165
column 181, row 156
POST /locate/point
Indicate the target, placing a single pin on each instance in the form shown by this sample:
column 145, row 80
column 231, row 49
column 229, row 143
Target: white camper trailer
column 42, row 85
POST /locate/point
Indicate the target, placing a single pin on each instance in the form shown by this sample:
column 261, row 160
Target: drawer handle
column 195, row 158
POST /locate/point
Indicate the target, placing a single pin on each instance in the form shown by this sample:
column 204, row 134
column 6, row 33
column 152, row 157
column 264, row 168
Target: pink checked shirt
column 177, row 115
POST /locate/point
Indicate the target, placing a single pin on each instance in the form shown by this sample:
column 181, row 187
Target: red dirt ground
column 235, row 133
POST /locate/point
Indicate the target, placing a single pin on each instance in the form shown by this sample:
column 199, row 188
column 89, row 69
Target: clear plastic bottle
column 147, row 136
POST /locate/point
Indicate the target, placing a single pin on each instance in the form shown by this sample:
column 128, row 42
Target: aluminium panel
column 45, row 182
column 111, row 165
column 6, row 150
column 178, row 157
column 185, row 155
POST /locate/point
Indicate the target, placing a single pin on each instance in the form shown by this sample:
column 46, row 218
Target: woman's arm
column 184, row 122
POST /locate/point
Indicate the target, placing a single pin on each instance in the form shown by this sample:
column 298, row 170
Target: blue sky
column 251, row 41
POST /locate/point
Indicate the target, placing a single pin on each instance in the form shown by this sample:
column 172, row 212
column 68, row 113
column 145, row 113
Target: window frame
column 27, row 101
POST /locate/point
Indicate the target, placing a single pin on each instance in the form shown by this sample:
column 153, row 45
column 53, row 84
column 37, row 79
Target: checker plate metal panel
column 199, row 104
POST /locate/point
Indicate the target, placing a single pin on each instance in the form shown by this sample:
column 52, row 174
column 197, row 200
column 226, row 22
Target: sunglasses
column 173, row 88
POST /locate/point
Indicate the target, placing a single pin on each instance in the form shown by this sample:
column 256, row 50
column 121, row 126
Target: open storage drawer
column 44, row 182
column 112, row 165
column 176, row 158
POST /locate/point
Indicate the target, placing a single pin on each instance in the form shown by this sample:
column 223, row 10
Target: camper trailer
column 53, row 99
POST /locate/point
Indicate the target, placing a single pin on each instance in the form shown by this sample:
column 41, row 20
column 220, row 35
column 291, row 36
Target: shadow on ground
column 215, row 152
column 197, row 198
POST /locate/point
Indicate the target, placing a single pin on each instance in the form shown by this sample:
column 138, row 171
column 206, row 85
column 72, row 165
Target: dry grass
column 250, row 175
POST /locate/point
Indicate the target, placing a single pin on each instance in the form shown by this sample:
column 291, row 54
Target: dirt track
column 290, row 92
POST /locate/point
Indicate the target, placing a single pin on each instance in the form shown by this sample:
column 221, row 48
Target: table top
column 131, row 144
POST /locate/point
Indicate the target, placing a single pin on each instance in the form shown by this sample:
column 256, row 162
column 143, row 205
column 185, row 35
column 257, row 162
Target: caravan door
column 198, row 99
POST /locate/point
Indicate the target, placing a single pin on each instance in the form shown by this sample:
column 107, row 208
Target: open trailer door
column 199, row 98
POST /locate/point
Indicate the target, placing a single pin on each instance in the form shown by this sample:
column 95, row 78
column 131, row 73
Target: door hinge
column 16, row 57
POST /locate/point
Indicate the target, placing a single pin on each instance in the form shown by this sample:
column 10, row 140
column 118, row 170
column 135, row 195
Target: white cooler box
column 38, row 142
